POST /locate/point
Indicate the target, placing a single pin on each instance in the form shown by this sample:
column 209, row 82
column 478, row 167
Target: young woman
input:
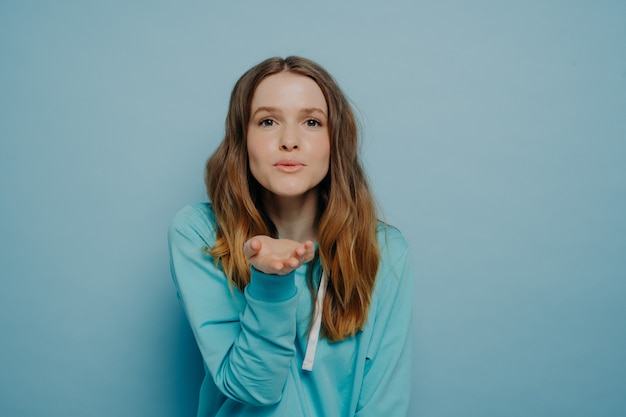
column 298, row 297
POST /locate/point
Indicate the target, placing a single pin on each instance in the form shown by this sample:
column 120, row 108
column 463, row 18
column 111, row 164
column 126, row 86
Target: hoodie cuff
column 269, row 287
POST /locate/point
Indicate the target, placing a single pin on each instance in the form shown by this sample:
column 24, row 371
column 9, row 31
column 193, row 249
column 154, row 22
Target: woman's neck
column 294, row 217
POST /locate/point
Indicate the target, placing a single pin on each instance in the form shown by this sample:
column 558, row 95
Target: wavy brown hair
column 346, row 216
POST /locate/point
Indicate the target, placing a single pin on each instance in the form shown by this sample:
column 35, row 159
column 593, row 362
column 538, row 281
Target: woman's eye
column 266, row 122
column 312, row 123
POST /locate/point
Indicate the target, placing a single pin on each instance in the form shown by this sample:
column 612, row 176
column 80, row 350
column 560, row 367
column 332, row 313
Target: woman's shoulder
column 390, row 239
column 394, row 250
column 395, row 266
column 197, row 218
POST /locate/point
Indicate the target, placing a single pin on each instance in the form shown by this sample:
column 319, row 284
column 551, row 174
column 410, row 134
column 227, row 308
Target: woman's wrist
column 270, row 287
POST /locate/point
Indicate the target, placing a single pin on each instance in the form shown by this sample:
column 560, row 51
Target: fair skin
column 289, row 155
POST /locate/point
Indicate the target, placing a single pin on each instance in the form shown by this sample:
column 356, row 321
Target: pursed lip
column 288, row 163
column 289, row 166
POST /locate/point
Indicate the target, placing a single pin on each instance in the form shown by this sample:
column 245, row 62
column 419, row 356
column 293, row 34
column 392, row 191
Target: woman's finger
column 251, row 247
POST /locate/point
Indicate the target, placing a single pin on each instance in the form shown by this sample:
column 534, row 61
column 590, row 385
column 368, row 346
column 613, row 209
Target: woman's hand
column 277, row 256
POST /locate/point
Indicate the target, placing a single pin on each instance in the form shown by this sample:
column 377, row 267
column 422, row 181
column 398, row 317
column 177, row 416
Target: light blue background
column 494, row 136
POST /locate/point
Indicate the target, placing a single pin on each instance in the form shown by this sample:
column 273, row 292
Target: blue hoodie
column 254, row 342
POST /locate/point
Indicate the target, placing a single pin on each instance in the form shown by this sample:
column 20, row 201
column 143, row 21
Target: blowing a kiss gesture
column 303, row 305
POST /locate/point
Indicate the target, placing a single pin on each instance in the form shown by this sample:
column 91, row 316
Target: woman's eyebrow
column 309, row 110
column 305, row 110
column 268, row 109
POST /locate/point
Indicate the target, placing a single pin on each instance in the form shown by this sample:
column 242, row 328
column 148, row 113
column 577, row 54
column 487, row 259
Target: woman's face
column 288, row 142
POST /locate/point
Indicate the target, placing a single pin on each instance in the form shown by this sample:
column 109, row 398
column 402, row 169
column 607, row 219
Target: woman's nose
column 289, row 140
column 288, row 146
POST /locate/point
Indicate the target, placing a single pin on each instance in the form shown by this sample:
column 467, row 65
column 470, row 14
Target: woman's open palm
column 277, row 256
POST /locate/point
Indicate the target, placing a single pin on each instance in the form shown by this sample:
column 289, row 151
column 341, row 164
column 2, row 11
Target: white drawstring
column 314, row 334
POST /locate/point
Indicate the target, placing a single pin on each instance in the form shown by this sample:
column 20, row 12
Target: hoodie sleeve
column 387, row 379
column 246, row 339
